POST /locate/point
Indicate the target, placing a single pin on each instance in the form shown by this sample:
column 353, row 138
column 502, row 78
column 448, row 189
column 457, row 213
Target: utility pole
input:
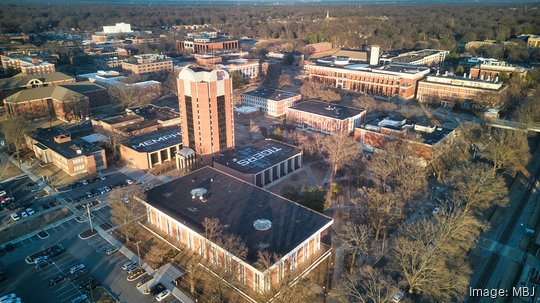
column 138, row 252
column 89, row 217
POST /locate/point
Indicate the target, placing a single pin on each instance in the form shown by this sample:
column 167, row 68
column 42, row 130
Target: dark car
column 56, row 279
column 56, row 252
column 78, row 274
column 88, row 282
column 157, row 289
column 42, row 264
column 6, row 248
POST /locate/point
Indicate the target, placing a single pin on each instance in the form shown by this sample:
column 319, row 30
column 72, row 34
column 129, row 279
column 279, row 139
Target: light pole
column 89, row 217
column 138, row 252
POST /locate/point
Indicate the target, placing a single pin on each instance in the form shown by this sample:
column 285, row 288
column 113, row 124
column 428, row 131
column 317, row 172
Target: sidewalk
column 158, row 277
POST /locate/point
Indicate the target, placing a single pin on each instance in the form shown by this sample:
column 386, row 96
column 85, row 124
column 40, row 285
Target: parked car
column 111, row 251
column 6, row 199
column 56, row 279
column 15, row 216
column 128, row 264
column 398, row 297
column 30, row 211
column 84, row 182
column 162, row 295
column 79, row 299
column 129, row 182
column 76, row 275
column 435, row 211
column 102, row 178
column 3, row 193
column 41, row 264
column 76, row 268
column 156, row 289
column 24, row 214
column 8, row 297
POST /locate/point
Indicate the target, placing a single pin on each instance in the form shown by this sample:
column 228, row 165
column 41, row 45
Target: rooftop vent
column 199, row 193
column 262, row 224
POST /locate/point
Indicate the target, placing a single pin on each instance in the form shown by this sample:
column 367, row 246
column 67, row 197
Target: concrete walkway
column 163, row 278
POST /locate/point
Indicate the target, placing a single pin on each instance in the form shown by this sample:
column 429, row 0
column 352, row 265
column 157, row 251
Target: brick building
column 533, row 42
column 205, row 44
column 29, row 66
column 325, row 117
column 23, row 81
column 491, row 69
column 262, row 220
column 427, row 57
column 148, row 63
column 449, row 91
column 48, row 102
column 206, row 105
column 320, row 47
column 421, row 138
column 272, row 102
column 262, row 163
column 66, row 149
column 150, row 149
column 388, row 80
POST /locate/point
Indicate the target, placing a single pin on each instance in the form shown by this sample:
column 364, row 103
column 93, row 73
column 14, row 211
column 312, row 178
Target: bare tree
column 478, row 187
column 129, row 95
column 508, row 150
column 126, row 210
column 429, row 254
column 13, row 130
column 340, row 150
column 366, row 285
column 528, row 112
column 253, row 128
column 380, row 211
column 285, row 80
column 356, row 240
column 395, row 167
column 114, row 140
column 314, row 90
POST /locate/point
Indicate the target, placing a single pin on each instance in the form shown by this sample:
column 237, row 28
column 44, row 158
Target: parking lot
column 24, row 192
column 80, row 190
column 32, row 285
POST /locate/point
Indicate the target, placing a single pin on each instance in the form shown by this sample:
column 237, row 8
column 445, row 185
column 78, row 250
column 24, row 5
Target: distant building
column 272, row 102
column 148, row 63
column 9, row 86
column 150, row 149
column 263, row 221
column 205, row 44
column 388, row 80
column 262, row 163
column 421, row 138
column 206, row 105
column 426, row 57
column 478, row 44
column 490, row 70
column 29, row 66
column 533, row 42
column 48, row 102
column 320, row 47
column 66, row 149
column 118, row 28
column 100, row 38
column 247, row 69
column 449, row 91
column 108, row 79
column 325, row 117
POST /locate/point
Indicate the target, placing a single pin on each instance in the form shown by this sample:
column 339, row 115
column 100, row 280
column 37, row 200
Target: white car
column 128, row 265
column 435, row 211
column 162, row 295
column 76, row 268
column 7, row 297
column 24, row 214
column 129, row 182
column 111, row 251
column 398, row 297
column 30, row 211
column 2, row 193
column 15, row 216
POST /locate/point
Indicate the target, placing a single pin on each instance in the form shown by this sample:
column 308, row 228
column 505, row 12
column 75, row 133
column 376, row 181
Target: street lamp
column 89, row 217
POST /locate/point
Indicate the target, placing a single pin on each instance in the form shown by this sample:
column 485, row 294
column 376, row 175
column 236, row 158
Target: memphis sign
column 158, row 140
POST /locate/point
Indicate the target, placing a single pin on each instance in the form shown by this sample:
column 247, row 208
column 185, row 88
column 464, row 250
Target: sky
column 258, row 1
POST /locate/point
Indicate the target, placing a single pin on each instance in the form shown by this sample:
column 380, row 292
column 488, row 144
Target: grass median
column 33, row 224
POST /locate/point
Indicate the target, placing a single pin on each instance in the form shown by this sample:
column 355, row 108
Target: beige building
column 30, row 66
column 533, row 42
column 148, row 63
column 427, row 57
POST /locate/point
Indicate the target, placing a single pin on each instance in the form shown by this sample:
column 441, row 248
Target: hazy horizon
column 265, row 2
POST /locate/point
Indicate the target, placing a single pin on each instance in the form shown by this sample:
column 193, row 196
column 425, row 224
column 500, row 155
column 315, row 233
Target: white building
column 118, row 28
column 271, row 101
column 247, row 69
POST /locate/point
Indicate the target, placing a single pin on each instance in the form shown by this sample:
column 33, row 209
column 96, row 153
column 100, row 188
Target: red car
column 6, row 199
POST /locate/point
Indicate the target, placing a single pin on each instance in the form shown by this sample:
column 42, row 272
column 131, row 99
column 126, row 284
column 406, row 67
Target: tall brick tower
column 206, row 106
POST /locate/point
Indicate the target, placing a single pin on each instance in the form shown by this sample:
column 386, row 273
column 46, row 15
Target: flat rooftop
column 156, row 140
column 237, row 204
column 257, row 157
column 327, row 109
column 45, row 137
column 150, row 112
column 428, row 134
column 272, row 94
column 414, row 56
